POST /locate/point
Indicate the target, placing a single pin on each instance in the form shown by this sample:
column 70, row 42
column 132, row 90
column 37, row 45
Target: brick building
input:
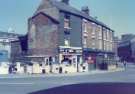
column 126, row 48
column 6, row 40
column 61, row 34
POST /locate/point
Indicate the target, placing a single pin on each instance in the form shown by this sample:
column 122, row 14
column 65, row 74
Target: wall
column 16, row 51
column 5, row 49
column 42, row 36
column 75, row 31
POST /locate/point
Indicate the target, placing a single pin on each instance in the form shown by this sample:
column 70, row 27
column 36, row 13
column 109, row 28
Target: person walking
column 125, row 64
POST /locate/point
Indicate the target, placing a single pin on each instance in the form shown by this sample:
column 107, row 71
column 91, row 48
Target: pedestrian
column 124, row 63
column 117, row 64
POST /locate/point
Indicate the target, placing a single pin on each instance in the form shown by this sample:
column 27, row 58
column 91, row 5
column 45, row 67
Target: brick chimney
column 65, row 1
column 86, row 10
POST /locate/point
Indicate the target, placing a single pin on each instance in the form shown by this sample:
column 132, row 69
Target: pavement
column 26, row 84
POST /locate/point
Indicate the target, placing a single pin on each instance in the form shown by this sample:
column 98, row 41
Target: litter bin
column 43, row 71
column 60, row 70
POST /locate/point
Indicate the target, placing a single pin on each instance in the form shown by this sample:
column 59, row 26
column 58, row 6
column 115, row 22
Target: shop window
column 47, row 62
column 50, row 59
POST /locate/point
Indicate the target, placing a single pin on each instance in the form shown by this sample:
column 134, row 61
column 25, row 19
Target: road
column 25, row 84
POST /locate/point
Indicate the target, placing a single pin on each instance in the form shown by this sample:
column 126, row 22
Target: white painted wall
column 81, row 67
column 55, row 68
column 29, row 69
column 4, row 68
column 20, row 69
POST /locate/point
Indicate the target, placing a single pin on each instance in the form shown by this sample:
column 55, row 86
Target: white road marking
column 5, row 83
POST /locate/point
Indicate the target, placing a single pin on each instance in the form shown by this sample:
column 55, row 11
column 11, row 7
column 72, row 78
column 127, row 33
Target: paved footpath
column 24, row 84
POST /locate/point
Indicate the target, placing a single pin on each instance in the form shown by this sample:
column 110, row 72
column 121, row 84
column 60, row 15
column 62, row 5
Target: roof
column 7, row 34
column 52, row 18
column 97, row 51
column 67, row 8
column 127, row 42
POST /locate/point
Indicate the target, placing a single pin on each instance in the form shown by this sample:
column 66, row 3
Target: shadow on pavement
column 98, row 88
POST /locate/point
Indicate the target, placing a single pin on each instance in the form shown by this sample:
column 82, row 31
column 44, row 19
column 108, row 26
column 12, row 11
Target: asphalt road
column 25, row 84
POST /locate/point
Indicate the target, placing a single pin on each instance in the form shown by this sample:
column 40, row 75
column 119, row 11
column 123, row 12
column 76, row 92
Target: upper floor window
column 67, row 42
column 111, row 36
column 108, row 35
column 99, row 32
column 93, row 29
column 85, row 28
column 100, row 44
column 84, row 25
column 67, row 32
column 67, row 22
column 105, row 33
column 85, row 42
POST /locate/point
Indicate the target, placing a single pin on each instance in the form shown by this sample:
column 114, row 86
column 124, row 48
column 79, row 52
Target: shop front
column 99, row 60
column 95, row 59
column 90, row 59
column 70, row 58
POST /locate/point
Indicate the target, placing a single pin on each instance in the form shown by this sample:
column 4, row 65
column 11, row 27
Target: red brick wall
column 45, row 39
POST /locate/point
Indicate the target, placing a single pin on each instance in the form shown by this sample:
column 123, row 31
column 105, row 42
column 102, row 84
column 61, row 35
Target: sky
column 117, row 14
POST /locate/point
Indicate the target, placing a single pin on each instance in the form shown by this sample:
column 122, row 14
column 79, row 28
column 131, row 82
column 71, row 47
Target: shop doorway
column 67, row 60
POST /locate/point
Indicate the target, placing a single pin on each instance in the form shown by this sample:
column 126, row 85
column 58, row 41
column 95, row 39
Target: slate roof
column 41, row 12
column 7, row 34
column 127, row 42
column 69, row 9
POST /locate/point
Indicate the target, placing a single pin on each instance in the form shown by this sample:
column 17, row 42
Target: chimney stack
column 86, row 10
column 65, row 1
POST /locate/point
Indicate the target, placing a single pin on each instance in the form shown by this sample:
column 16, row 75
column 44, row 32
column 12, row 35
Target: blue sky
column 118, row 14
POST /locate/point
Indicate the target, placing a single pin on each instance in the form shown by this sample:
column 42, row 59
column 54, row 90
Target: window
column 47, row 62
column 85, row 42
column 66, row 42
column 104, row 45
column 93, row 31
column 108, row 35
column 93, row 44
column 100, row 44
column 111, row 36
column 67, row 22
column 93, row 28
column 67, row 32
column 105, row 33
column 84, row 26
column 99, row 32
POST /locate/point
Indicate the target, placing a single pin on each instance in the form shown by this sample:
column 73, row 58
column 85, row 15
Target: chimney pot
column 86, row 10
column 65, row 1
